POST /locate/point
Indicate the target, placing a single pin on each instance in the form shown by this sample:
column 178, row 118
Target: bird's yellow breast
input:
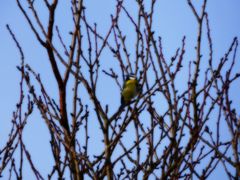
column 130, row 90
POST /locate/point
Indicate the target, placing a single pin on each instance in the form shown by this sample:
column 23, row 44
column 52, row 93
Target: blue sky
column 173, row 20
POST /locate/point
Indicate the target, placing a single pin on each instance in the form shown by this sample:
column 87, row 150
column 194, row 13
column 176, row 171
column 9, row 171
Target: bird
column 130, row 90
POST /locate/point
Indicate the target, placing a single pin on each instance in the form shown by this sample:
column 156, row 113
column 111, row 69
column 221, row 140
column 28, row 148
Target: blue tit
column 131, row 89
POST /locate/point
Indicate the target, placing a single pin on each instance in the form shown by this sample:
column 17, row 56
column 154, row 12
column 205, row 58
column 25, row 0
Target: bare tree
column 169, row 145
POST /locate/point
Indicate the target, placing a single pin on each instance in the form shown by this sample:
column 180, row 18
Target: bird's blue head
column 131, row 76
